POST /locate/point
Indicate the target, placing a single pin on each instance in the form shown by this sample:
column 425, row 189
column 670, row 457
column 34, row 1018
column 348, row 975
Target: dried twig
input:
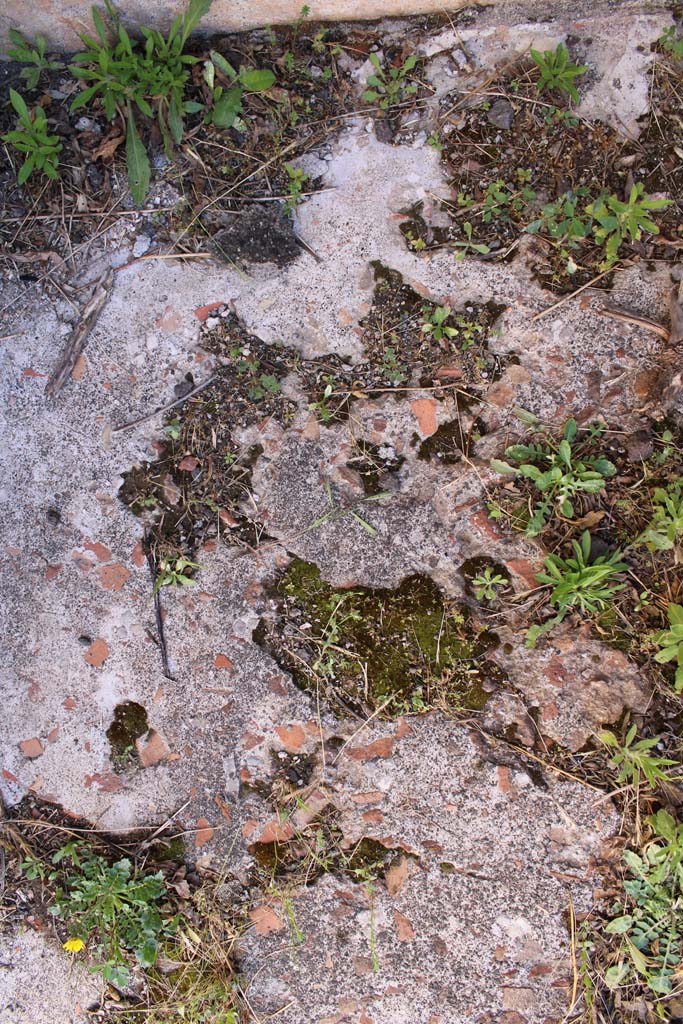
column 79, row 335
column 164, row 408
column 572, row 295
column 673, row 381
column 640, row 321
column 147, row 547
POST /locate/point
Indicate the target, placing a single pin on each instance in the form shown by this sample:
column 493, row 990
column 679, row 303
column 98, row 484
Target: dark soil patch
column 322, row 849
column 617, row 517
column 452, row 441
column 378, row 651
column 194, row 491
column 128, row 724
column 376, row 465
column 510, row 152
column 259, row 234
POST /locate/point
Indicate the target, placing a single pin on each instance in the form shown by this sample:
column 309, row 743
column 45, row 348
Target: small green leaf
column 19, row 105
column 620, row 925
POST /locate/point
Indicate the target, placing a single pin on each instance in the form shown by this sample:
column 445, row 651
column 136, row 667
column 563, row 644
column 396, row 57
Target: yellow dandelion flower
column 74, row 945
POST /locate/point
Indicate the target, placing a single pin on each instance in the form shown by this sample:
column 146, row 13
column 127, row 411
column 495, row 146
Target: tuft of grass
column 578, row 584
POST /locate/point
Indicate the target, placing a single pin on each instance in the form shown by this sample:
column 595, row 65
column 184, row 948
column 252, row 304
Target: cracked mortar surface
column 475, row 930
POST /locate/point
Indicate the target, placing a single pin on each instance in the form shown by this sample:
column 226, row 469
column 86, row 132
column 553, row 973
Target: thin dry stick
column 566, row 298
column 164, row 408
column 640, row 321
column 79, row 335
column 572, row 941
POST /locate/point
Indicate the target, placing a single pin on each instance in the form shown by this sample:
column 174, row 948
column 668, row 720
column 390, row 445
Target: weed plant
column 33, row 55
column 671, row 643
column 648, row 919
column 389, row 85
column 31, row 137
column 558, row 472
column 579, row 584
column 111, row 910
column 557, row 72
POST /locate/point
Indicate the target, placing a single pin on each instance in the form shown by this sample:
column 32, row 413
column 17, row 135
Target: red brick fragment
column 374, row 796
column 101, row 553
column 404, row 928
column 204, row 833
column 138, row 555
column 373, row 817
column 97, row 653
column 153, row 749
column 188, row 463
column 202, row 312
column 223, row 661
column 53, row 570
column 503, row 779
column 293, row 737
column 80, row 366
column 380, row 748
column 113, row 577
column 424, row 410
column 69, row 704
column 403, row 729
column 276, row 832
column 31, row 748
column 223, row 807
column 266, row 920
column 107, row 782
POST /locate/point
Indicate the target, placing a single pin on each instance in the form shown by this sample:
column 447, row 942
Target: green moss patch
column 378, row 650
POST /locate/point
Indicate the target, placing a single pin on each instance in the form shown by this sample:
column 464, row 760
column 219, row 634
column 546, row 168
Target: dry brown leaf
column 590, row 519
column 108, row 147
column 397, row 876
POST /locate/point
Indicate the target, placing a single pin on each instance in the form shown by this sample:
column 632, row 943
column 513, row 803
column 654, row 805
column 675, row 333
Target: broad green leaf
column 620, row 925
column 498, row 466
column 227, row 109
column 193, row 15
column 615, row 976
column 675, row 614
column 100, row 27
column 137, row 162
column 84, row 97
column 25, row 170
column 255, row 80
column 564, row 450
column 525, row 416
column 175, row 122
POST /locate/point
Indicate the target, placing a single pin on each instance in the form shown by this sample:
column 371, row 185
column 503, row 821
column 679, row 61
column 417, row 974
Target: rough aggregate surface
column 472, row 928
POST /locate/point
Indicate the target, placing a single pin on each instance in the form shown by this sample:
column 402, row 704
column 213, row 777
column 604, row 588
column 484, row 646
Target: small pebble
column 141, row 245
column 501, row 114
